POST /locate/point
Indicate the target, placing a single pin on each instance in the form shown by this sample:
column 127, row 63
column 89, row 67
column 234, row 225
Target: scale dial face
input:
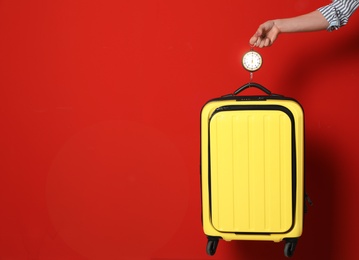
column 252, row 61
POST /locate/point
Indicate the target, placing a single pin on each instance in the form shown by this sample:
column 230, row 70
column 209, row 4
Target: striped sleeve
column 338, row 12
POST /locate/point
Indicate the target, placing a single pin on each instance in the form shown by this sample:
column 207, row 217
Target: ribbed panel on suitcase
column 251, row 180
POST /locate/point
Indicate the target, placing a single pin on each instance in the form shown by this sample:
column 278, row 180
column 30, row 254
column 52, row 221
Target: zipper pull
column 308, row 200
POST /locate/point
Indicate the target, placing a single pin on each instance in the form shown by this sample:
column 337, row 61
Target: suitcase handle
column 252, row 84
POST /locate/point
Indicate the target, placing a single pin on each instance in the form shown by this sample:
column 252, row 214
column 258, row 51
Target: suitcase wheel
column 289, row 247
column 212, row 245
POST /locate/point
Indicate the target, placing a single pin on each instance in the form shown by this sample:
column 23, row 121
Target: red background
column 100, row 106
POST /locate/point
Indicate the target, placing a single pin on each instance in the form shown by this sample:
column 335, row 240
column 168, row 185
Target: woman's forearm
column 313, row 21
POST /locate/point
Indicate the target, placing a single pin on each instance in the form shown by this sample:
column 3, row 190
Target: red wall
column 100, row 105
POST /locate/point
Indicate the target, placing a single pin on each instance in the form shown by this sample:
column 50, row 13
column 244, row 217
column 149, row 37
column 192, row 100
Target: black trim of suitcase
column 294, row 161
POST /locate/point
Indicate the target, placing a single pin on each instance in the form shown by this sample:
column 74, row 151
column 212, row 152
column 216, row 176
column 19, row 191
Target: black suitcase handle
column 252, row 84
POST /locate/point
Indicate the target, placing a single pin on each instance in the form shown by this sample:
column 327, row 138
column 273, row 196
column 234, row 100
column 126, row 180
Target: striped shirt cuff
column 338, row 13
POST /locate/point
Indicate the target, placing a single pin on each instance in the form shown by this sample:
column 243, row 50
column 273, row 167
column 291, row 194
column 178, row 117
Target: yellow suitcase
column 252, row 177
